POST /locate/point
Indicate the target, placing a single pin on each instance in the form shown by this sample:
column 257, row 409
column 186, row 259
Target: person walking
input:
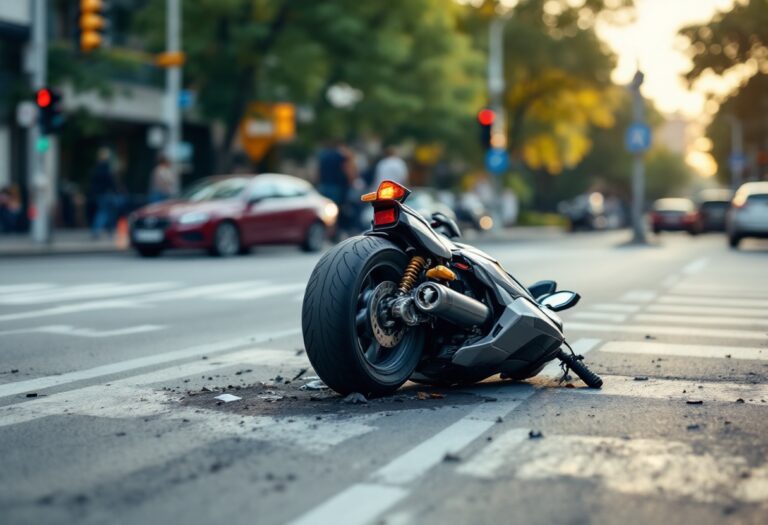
column 165, row 182
column 337, row 177
column 391, row 167
column 103, row 194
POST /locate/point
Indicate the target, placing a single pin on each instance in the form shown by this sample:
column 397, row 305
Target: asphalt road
column 125, row 356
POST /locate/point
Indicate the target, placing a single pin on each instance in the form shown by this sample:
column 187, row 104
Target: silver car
column 748, row 216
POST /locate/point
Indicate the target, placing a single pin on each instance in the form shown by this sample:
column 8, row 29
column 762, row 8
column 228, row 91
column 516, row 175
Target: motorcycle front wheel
column 351, row 343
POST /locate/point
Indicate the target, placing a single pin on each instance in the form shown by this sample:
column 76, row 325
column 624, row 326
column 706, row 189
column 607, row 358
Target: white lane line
column 721, row 288
column 675, row 389
column 695, row 266
column 707, row 310
column 711, row 320
column 208, row 290
column 638, row 296
column 41, row 383
column 600, row 316
column 14, row 288
column 684, row 350
column 731, row 294
column 358, row 504
column 90, row 291
column 671, row 280
column 581, row 347
column 616, row 307
column 413, row 464
column 669, row 330
column 714, row 301
column 639, row 467
column 85, row 332
column 71, row 309
column 264, row 291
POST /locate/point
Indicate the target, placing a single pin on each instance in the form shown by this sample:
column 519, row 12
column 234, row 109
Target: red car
column 228, row 214
column 674, row 214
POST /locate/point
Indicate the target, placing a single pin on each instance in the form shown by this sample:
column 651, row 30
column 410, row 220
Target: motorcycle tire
column 336, row 325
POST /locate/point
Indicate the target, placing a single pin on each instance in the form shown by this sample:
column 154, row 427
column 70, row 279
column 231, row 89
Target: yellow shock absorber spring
column 411, row 273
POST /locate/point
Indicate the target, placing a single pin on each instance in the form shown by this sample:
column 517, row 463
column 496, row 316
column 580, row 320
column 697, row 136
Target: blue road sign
column 497, row 161
column 737, row 161
column 186, row 98
column 638, row 137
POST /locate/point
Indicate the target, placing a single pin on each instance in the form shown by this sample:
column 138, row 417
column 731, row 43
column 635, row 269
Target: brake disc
column 387, row 336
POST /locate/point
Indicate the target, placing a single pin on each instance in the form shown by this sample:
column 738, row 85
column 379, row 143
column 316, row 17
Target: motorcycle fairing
column 523, row 333
column 416, row 228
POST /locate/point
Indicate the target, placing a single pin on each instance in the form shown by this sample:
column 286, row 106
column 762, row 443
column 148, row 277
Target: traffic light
column 50, row 117
column 485, row 118
column 91, row 25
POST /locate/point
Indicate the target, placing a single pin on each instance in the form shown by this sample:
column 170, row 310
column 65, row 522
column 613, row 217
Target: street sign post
column 638, row 138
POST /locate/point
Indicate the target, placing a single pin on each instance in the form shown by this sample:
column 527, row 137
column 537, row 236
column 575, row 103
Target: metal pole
column 37, row 180
column 173, row 83
column 737, row 152
column 638, row 167
column 496, row 87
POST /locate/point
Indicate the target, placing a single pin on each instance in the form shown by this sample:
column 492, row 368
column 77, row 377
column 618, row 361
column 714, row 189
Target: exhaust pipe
column 441, row 301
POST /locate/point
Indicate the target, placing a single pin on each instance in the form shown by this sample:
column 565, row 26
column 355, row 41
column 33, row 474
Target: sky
column 652, row 40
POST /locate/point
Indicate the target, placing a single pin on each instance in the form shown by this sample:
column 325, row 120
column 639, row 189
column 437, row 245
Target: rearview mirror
column 560, row 300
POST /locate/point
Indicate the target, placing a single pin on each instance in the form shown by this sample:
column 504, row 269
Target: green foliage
column 666, row 173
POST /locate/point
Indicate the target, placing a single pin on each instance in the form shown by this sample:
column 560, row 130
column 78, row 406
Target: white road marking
column 669, row 330
column 616, row 307
column 85, row 332
column 213, row 291
column 88, row 291
column 671, row 280
column 695, row 266
column 600, row 316
column 643, row 467
column 717, row 289
column 413, row 464
column 638, row 296
column 19, row 387
column 15, row 288
column 71, row 309
column 699, row 319
column 684, row 350
column 707, row 310
column 714, row 301
column 580, row 347
column 675, row 389
column 264, row 291
column 732, row 294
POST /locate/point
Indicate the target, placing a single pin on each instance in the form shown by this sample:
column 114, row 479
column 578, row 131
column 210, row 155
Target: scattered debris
column 570, row 385
column 355, row 398
column 649, row 337
column 694, row 402
column 315, row 384
column 278, row 378
column 270, row 396
column 693, row 427
column 740, row 400
column 641, row 378
column 421, row 396
column 499, row 419
column 449, row 456
column 489, row 400
column 15, row 371
column 227, row 398
column 535, row 434
column 727, row 356
column 301, row 373
column 205, row 389
column 34, row 394
column 204, row 357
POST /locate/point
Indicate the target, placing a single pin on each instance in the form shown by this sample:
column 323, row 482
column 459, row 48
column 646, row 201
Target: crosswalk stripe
column 209, row 290
column 699, row 319
column 707, row 310
column 714, row 301
column 19, row 387
column 695, row 291
column 84, row 332
column 616, row 307
column 600, row 316
column 695, row 266
column 71, row 309
column 639, row 296
column 264, row 292
column 684, row 350
column 668, row 330
column 90, row 291
column 30, row 287
column 720, row 288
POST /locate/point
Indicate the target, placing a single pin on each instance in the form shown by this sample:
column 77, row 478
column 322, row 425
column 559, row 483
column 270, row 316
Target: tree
column 417, row 72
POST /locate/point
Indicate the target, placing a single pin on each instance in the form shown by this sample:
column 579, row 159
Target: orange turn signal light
column 388, row 191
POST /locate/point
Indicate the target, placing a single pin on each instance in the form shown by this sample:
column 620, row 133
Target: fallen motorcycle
column 405, row 300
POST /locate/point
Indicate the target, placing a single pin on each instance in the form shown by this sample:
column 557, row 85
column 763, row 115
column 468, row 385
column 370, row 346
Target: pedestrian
column 337, row 179
column 391, row 167
column 10, row 209
column 165, row 181
column 103, row 194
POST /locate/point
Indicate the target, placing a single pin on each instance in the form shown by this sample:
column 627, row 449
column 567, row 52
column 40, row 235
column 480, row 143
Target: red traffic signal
column 486, row 117
column 44, row 98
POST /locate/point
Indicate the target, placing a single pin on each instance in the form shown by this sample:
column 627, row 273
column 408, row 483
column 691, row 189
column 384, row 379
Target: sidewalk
column 64, row 242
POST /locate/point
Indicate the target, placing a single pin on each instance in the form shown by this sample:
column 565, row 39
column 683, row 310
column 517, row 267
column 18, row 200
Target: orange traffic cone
column 121, row 234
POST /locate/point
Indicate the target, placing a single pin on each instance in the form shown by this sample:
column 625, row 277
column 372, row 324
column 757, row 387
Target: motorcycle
column 406, row 300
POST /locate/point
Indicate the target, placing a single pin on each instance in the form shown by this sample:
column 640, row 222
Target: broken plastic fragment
column 228, row 398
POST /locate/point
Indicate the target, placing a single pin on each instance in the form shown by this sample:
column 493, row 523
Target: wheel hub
column 385, row 330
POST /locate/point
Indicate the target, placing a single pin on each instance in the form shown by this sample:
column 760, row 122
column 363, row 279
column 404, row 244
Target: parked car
column 673, row 214
column 711, row 209
column 228, row 214
column 472, row 213
column 585, row 211
column 748, row 215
